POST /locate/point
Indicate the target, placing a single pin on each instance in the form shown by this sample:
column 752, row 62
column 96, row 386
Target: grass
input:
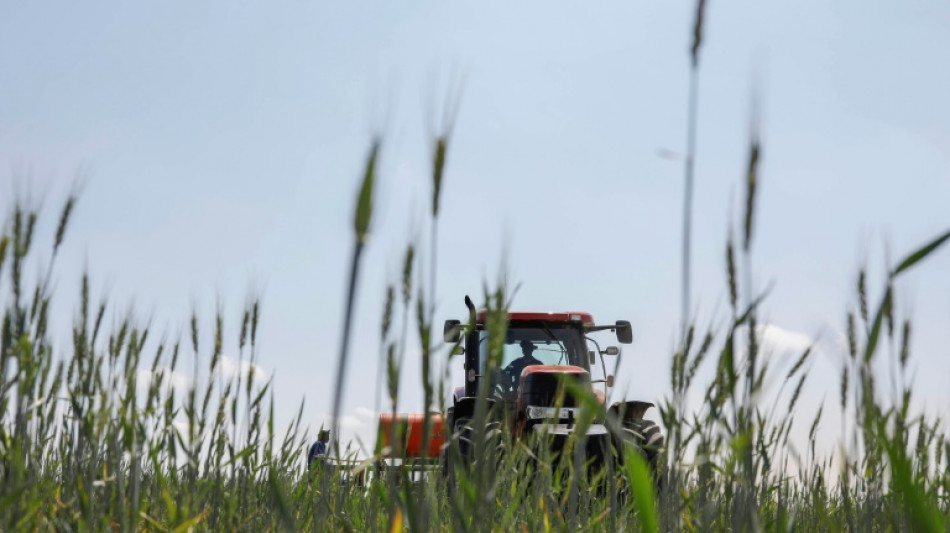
column 87, row 444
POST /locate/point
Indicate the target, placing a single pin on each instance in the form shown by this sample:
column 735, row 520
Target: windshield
column 528, row 346
column 547, row 346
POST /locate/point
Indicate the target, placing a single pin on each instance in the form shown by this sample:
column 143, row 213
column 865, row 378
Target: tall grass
column 93, row 436
column 689, row 165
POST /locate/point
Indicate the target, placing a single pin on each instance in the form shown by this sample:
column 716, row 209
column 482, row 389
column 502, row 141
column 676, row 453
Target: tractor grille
column 541, row 388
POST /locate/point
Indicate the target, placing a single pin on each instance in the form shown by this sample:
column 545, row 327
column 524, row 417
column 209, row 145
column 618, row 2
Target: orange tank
column 409, row 433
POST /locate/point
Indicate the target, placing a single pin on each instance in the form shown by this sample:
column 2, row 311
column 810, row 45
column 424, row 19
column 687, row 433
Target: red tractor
column 526, row 390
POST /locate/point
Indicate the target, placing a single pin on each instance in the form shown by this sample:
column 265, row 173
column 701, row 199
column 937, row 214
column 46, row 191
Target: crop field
column 86, row 445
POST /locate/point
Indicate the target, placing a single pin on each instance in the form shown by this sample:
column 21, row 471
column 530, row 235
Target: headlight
column 537, row 413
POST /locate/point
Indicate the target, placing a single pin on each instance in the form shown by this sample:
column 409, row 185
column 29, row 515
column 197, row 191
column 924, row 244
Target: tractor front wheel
column 646, row 435
column 460, row 447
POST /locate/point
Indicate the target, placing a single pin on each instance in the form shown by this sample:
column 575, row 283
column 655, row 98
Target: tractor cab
column 533, row 344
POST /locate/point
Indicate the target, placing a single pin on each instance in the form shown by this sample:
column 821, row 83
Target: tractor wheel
column 459, row 447
column 463, row 435
column 645, row 437
column 645, row 434
column 462, row 442
column 495, row 445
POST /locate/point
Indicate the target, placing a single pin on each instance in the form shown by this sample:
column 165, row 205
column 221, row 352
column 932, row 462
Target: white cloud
column 350, row 422
column 182, row 427
column 360, row 418
column 358, row 427
column 229, row 368
column 364, row 413
column 166, row 377
column 772, row 337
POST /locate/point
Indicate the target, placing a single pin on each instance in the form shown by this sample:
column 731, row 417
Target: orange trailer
column 409, row 428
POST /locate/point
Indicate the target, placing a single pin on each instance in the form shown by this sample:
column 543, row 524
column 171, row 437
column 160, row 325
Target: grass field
column 87, row 445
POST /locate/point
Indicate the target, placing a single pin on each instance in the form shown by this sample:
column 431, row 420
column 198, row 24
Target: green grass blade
column 641, row 487
column 921, row 253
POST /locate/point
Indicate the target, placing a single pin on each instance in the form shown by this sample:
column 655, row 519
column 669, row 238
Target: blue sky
column 219, row 145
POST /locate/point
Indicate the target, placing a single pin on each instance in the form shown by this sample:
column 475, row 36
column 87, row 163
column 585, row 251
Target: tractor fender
column 629, row 410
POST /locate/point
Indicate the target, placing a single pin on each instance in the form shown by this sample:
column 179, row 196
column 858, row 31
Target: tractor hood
column 541, row 384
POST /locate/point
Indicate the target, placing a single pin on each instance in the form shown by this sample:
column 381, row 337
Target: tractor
column 527, row 393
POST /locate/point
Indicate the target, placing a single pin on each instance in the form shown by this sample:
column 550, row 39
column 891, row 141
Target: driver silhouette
column 515, row 367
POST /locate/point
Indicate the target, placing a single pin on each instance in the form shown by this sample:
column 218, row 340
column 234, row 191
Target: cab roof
column 525, row 316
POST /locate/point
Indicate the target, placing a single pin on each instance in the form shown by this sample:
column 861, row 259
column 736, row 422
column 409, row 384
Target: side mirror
column 452, row 331
column 610, row 381
column 591, row 357
column 612, row 350
column 624, row 332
